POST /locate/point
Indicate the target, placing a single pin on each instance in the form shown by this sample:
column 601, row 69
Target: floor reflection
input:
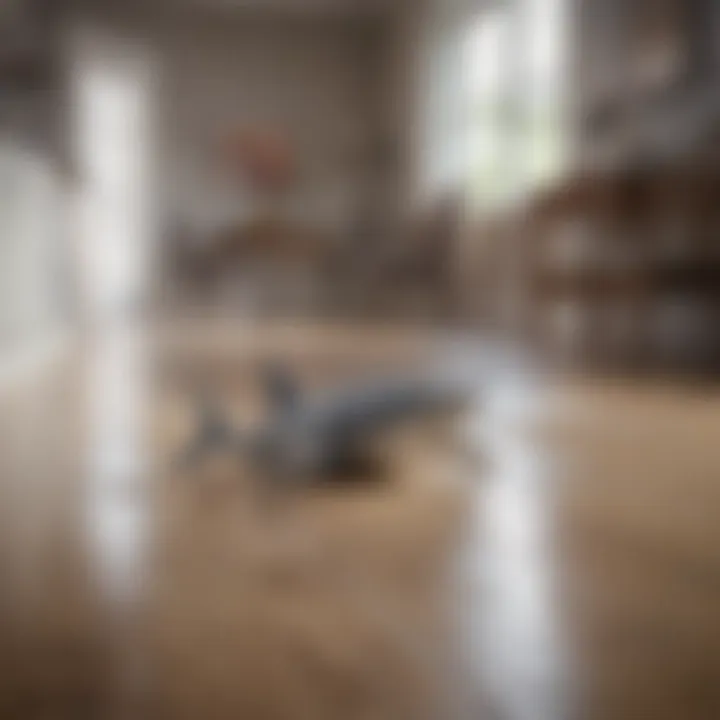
column 116, row 492
column 587, row 547
column 511, row 610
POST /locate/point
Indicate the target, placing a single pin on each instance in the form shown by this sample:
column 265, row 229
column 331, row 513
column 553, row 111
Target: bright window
column 516, row 62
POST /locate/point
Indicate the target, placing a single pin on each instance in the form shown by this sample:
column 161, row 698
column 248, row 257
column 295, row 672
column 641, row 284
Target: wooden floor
column 569, row 567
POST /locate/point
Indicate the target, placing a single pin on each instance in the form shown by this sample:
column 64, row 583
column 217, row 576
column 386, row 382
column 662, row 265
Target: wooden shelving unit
column 635, row 257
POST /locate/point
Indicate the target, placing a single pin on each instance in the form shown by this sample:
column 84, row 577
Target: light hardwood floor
column 568, row 568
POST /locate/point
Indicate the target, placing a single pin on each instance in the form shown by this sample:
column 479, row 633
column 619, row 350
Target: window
column 113, row 107
column 515, row 62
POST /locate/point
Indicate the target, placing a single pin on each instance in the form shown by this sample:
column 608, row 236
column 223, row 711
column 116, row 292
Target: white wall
column 30, row 235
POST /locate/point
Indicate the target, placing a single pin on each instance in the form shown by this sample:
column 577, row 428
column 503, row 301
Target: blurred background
column 544, row 169
column 531, row 187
